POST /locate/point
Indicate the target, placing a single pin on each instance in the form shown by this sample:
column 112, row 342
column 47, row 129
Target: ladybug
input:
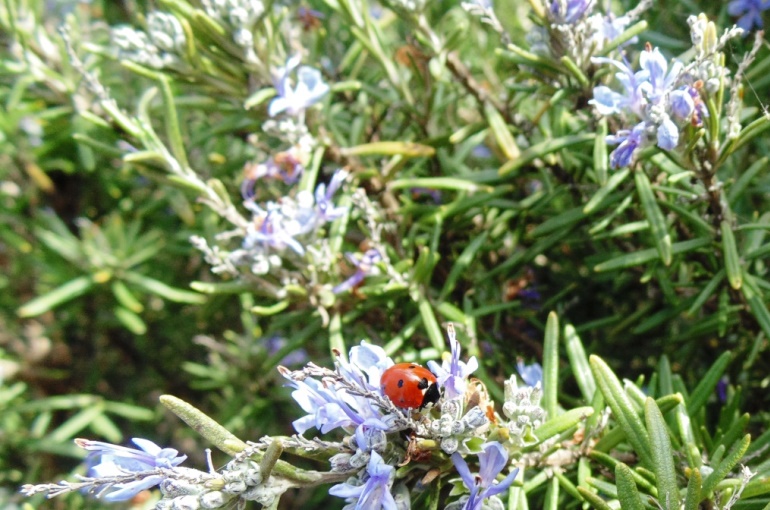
column 409, row 385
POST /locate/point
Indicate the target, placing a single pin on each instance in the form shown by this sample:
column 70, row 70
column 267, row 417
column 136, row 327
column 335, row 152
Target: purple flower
column 365, row 266
column 374, row 493
column 332, row 406
column 308, row 90
column 114, row 460
column 660, row 79
column 492, row 460
column 570, row 11
column 453, row 374
column 749, row 12
column 629, row 141
column 323, row 198
column 532, row 375
column 609, row 102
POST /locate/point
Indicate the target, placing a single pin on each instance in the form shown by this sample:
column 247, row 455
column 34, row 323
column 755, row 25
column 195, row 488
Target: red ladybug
column 409, row 385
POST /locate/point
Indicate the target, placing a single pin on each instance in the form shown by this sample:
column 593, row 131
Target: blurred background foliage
column 98, row 317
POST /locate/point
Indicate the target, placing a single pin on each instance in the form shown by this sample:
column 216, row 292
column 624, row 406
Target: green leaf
column 70, row 290
column 622, row 408
column 543, row 148
column 655, row 217
column 579, row 363
column 628, row 493
column 551, row 365
column 693, row 497
column 77, row 423
column 726, row 465
column 612, row 183
column 404, row 149
column 643, row 256
column 501, row 132
column 204, row 425
column 662, row 456
column 466, row 258
column 612, row 463
column 593, row 499
column 707, row 384
column 558, row 424
column 154, row 286
column 552, row 495
column 730, row 252
column 130, row 320
column 601, row 161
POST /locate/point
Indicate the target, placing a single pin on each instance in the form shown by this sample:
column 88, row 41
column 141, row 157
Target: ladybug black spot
column 400, row 383
column 423, row 383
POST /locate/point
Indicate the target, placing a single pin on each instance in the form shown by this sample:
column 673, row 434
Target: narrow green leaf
column 557, row 424
column 654, row 217
column 643, row 256
column 431, row 324
column 462, row 263
column 601, row 161
column 567, row 485
column 405, row 149
column 707, row 292
column 593, row 499
column 232, row 287
column 551, row 365
column 552, row 495
column 579, row 363
column 159, row 288
column 125, row 297
column 204, row 425
column 501, row 132
column 104, row 427
column 622, row 408
column 707, row 384
column 259, row 97
column 732, row 259
column 130, row 320
column 451, row 183
column 693, row 497
column 728, row 463
column 267, row 311
column 336, row 340
column 70, row 290
column 563, row 220
column 543, row 148
column 612, row 463
column 662, row 456
column 74, row 425
column 628, row 493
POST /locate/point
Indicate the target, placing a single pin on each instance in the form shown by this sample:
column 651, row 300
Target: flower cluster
column 352, row 400
column 240, row 16
column 158, row 48
column 574, row 30
column 661, row 99
column 459, row 428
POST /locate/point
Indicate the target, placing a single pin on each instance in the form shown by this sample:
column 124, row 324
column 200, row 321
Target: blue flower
column 532, row 375
column 631, row 100
column 492, row 460
column 374, row 493
column 309, row 89
column 330, row 406
column 749, row 12
column 453, row 374
column 113, row 460
column 570, row 11
column 629, row 141
column 365, row 266
column 327, row 211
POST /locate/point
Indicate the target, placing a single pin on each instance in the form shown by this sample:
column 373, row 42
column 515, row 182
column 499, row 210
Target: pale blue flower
column 327, row 211
column 532, row 375
column 365, row 265
column 629, row 141
column 570, row 11
column 108, row 460
column 374, row 493
column 308, row 89
column 750, row 12
column 453, row 374
column 492, row 460
column 325, row 411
